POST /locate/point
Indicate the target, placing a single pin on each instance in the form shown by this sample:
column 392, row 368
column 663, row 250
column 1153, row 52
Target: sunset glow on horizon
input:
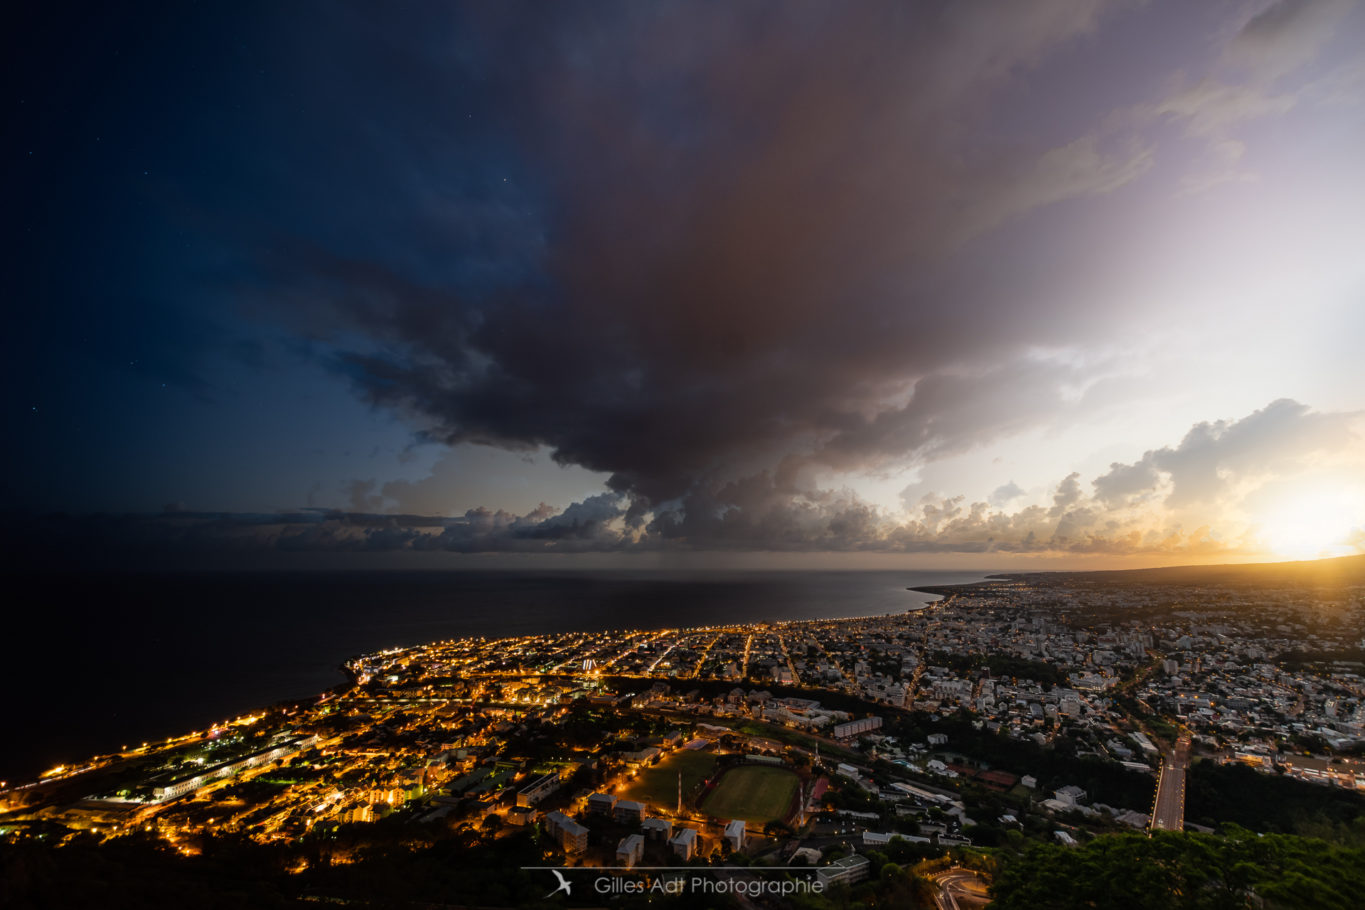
column 1315, row 523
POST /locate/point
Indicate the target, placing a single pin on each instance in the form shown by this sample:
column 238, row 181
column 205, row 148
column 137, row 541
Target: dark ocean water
column 99, row 661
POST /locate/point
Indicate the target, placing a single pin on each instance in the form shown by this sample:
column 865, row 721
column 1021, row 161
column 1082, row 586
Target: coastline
column 945, row 591
column 192, row 650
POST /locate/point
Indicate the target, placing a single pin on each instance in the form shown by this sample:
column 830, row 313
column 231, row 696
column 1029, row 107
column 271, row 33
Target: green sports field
column 658, row 786
column 755, row 793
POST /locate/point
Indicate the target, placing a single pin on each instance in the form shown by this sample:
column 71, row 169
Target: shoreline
column 315, row 624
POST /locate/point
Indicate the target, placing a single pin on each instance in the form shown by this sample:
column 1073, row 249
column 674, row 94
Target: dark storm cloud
column 747, row 219
column 180, row 537
column 730, row 256
column 949, row 412
column 583, row 520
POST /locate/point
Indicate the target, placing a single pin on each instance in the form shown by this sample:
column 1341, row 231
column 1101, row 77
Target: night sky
column 987, row 284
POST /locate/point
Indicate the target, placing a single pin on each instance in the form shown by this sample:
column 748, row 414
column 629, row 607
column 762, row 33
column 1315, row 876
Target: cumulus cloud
column 1142, row 507
column 1214, row 457
column 1067, row 495
column 1004, row 495
column 1124, row 482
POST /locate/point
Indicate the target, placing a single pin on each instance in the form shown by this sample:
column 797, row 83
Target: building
column 921, row 792
column 629, row 812
column 684, row 844
column 642, row 756
column 858, row 727
column 1321, row 770
column 521, row 815
column 1144, row 743
column 882, row 838
column 660, row 829
column 571, row 836
column 849, row 871
column 180, row 786
column 734, row 834
column 538, row 789
column 629, row 851
column 601, row 804
column 997, row 779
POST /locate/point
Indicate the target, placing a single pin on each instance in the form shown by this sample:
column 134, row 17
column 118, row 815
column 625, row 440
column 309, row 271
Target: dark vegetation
column 1271, row 803
column 137, row 872
column 1195, row 871
column 1299, row 660
column 1056, row 765
column 898, row 878
column 383, row 864
column 1001, row 666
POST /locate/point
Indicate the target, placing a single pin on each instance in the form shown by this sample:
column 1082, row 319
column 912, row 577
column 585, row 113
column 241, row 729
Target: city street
column 1169, row 811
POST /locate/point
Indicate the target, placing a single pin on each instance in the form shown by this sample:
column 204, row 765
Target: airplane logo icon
column 563, row 885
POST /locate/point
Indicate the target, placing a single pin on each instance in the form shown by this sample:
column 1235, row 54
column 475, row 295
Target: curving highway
column 959, row 889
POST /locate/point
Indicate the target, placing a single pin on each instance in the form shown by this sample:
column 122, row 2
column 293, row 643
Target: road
column 1168, row 814
column 959, row 889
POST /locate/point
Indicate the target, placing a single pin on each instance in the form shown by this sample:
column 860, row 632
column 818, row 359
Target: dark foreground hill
column 1240, row 871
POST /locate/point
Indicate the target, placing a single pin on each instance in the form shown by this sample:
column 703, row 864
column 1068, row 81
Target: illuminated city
column 1051, row 708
